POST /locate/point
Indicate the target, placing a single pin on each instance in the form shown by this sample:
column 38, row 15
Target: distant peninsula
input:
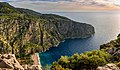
column 24, row 32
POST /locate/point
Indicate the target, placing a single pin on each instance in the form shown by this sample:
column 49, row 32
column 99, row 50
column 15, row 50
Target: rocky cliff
column 27, row 31
column 109, row 66
column 9, row 62
column 113, row 48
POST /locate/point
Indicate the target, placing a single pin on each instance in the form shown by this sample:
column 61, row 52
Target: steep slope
column 113, row 47
column 107, row 58
column 28, row 32
column 6, row 8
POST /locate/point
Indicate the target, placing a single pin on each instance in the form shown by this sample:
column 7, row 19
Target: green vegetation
column 24, row 32
column 118, row 64
column 113, row 47
column 109, row 53
column 4, row 46
column 6, row 8
column 88, row 60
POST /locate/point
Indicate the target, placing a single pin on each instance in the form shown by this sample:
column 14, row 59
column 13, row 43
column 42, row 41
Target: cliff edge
column 27, row 31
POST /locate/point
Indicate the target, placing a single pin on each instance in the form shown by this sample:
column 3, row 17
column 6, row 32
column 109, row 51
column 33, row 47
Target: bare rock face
column 109, row 67
column 111, row 50
column 117, row 53
column 9, row 62
column 32, row 67
column 35, row 67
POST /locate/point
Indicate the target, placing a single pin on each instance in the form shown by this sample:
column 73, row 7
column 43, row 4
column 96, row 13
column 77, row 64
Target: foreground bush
column 88, row 60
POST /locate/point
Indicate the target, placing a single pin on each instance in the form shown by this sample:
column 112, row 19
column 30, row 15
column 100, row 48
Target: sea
column 107, row 27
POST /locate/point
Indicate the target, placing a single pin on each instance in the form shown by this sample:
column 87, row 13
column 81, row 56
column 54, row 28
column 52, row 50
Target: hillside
column 113, row 48
column 107, row 58
column 27, row 31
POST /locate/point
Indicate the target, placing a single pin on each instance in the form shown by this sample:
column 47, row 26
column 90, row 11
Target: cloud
column 34, row 0
column 47, row 0
column 66, row 5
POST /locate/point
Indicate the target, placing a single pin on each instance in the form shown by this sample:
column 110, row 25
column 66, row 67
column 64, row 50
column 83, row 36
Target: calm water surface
column 107, row 27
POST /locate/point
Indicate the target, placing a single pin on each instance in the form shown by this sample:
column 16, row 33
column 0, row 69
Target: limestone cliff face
column 26, row 30
column 68, row 28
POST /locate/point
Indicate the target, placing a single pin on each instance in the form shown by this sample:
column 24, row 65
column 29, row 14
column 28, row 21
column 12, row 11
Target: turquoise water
column 107, row 27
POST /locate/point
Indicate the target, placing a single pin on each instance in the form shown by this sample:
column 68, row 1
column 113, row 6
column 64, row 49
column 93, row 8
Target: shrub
column 118, row 64
column 87, row 60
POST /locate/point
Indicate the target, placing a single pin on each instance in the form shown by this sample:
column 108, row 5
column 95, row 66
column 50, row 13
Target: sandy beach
column 36, row 59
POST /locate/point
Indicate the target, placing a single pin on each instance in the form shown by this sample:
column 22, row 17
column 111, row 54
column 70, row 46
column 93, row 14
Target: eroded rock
column 9, row 61
column 110, row 66
column 111, row 50
column 32, row 67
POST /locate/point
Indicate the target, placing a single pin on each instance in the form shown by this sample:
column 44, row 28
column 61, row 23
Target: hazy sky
column 66, row 5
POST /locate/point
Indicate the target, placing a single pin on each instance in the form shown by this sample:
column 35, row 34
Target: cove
column 54, row 53
column 107, row 27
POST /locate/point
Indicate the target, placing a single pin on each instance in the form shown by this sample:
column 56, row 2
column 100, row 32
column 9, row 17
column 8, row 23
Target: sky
column 66, row 5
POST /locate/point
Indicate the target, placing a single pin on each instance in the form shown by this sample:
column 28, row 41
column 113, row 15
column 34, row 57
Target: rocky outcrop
column 108, row 67
column 117, row 53
column 113, row 48
column 32, row 67
column 9, row 62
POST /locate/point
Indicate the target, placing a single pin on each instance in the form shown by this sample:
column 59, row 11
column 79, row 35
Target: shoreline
column 37, row 54
column 39, row 60
column 67, row 39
